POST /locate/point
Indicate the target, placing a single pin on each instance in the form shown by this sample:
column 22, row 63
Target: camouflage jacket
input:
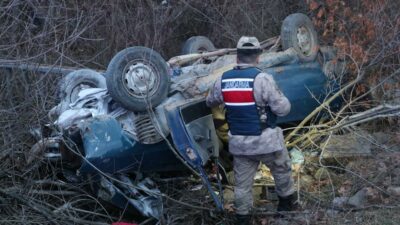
column 266, row 92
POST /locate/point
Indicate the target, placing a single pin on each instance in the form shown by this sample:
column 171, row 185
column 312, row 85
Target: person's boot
column 243, row 219
column 287, row 203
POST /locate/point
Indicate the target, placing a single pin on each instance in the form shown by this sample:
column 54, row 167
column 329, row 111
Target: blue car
column 145, row 115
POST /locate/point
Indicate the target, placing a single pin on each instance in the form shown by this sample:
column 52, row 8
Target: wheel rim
column 304, row 40
column 201, row 50
column 140, row 79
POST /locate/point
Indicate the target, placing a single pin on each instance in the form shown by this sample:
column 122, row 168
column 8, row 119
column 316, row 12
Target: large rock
column 358, row 199
column 394, row 191
column 346, row 146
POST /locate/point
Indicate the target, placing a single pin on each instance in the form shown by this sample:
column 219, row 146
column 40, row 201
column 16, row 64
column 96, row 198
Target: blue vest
column 241, row 109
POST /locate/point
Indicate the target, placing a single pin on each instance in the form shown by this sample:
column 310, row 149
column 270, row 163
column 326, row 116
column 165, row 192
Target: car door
column 194, row 138
column 192, row 130
column 303, row 84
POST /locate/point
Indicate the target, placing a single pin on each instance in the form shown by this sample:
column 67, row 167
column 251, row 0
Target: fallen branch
column 321, row 107
column 382, row 111
column 183, row 59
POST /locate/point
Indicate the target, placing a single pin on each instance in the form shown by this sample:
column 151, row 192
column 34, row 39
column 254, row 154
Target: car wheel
column 197, row 44
column 70, row 86
column 298, row 32
column 137, row 78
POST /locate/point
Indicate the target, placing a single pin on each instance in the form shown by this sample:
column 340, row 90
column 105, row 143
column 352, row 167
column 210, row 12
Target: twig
column 319, row 108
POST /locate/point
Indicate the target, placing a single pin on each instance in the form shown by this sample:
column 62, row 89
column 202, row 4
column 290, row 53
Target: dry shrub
column 89, row 33
column 368, row 33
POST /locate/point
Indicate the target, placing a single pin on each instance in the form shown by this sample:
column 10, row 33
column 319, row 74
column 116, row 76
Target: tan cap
column 248, row 43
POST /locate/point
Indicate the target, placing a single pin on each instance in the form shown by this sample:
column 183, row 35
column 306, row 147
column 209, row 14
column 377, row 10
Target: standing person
column 252, row 101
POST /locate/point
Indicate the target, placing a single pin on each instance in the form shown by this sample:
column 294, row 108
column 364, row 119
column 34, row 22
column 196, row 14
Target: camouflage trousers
column 245, row 168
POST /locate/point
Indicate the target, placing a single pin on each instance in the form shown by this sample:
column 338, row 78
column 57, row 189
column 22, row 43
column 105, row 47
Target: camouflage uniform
column 268, row 148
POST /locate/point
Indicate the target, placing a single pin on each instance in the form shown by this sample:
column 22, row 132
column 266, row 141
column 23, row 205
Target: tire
column 70, row 86
column 138, row 77
column 197, row 44
column 298, row 32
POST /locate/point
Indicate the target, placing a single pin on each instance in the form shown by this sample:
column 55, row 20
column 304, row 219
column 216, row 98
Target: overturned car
column 145, row 115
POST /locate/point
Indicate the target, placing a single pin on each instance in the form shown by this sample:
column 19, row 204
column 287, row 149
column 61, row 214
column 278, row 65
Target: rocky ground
column 358, row 188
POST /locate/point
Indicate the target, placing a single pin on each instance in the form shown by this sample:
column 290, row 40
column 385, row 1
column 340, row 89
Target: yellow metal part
column 218, row 113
